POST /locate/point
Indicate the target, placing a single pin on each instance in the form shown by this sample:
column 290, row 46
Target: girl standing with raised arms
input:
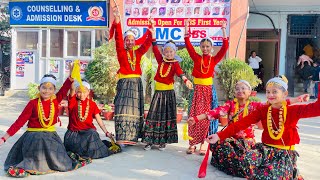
column 204, row 92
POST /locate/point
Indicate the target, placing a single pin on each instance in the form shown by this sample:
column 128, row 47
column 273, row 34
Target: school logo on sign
column 95, row 14
column 16, row 13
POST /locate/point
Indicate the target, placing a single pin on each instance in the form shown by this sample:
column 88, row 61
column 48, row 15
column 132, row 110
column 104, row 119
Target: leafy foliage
column 102, row 72
column 149, row 70
column 254, row 99
column 233, row 70
column 107, row 108
column 33, row 90
column 4, row 22
column 5, row 30
column 187, row 67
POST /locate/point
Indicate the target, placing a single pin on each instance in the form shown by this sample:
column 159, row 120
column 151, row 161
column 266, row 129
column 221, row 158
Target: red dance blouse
column 290, row 135
column 30, row 112
column 229, row 108
column 197, row 59
column 74, row 122
column 175, row 68
column 122, row 53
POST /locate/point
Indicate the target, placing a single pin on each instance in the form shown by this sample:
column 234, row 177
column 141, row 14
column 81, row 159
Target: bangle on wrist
column 4, row 139
column 185, row 81
column 196, row 119
column 300, row 99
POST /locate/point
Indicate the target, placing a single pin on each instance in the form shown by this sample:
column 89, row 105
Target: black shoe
column 312, row 97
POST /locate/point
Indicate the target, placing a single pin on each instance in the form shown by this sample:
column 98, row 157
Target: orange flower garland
column 132, row 62
column 83, row 118
column 245, row 109
column 282, row 120
column 42, row 116
column 167, row 72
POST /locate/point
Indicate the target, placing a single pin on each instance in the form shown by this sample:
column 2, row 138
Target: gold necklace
column 245, row 110
column 282, row 120
column 167, row 72
column 83, row 118
column 206, row 67
column 42, row 116
column 132, row 62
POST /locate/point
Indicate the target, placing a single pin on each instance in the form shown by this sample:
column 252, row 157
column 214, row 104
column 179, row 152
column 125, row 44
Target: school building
column 276, row 30
column 46, row 35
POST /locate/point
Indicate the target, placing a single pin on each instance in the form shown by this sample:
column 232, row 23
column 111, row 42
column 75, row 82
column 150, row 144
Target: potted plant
column 233, row 70
column 102, row 72
column 179, row 114
column 108, row 113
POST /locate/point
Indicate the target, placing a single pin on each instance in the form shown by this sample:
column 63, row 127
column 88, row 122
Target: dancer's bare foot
column 202, row 150
column 191, row 149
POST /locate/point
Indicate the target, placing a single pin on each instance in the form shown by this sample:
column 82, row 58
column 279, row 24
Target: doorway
column 302, row 30
column 266, row 44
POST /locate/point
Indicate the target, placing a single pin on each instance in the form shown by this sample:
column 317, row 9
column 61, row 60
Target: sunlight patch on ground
column 149, row 172
column 305, row 125
column 309, row 135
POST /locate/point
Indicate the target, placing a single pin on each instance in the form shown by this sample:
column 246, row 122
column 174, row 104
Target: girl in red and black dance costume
column 129, row 98
column 275, row 157
column 204, row 95
column 40, row 150
column 82, row 137
column 225, row 153
column 161, row 121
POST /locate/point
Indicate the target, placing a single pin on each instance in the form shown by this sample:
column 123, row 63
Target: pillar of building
column 238, row 29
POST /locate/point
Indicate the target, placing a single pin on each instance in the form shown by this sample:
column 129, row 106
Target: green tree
column 4, row 23
column 5, row 30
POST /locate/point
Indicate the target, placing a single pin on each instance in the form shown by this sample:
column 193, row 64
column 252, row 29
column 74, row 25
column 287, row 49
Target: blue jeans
column 306, row 85
column 316, row 89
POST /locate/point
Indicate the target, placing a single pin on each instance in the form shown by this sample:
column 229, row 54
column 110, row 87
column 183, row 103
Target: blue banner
column 59, row 13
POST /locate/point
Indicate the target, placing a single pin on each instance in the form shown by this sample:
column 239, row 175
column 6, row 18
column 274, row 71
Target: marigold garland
column 282, row 120
column 83, row 118
column 132, row 62
column 42, row 116
column 245, row 109
column 167, row 72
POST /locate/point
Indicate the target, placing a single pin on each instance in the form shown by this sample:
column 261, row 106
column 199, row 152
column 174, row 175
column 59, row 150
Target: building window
column 85, row 43
column 100, row 37
column 27, row 40
column 44, row 43
column 72, row 43
column 56, row 45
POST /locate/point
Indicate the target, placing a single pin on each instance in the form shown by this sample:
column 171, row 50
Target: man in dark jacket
column 306, row 74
